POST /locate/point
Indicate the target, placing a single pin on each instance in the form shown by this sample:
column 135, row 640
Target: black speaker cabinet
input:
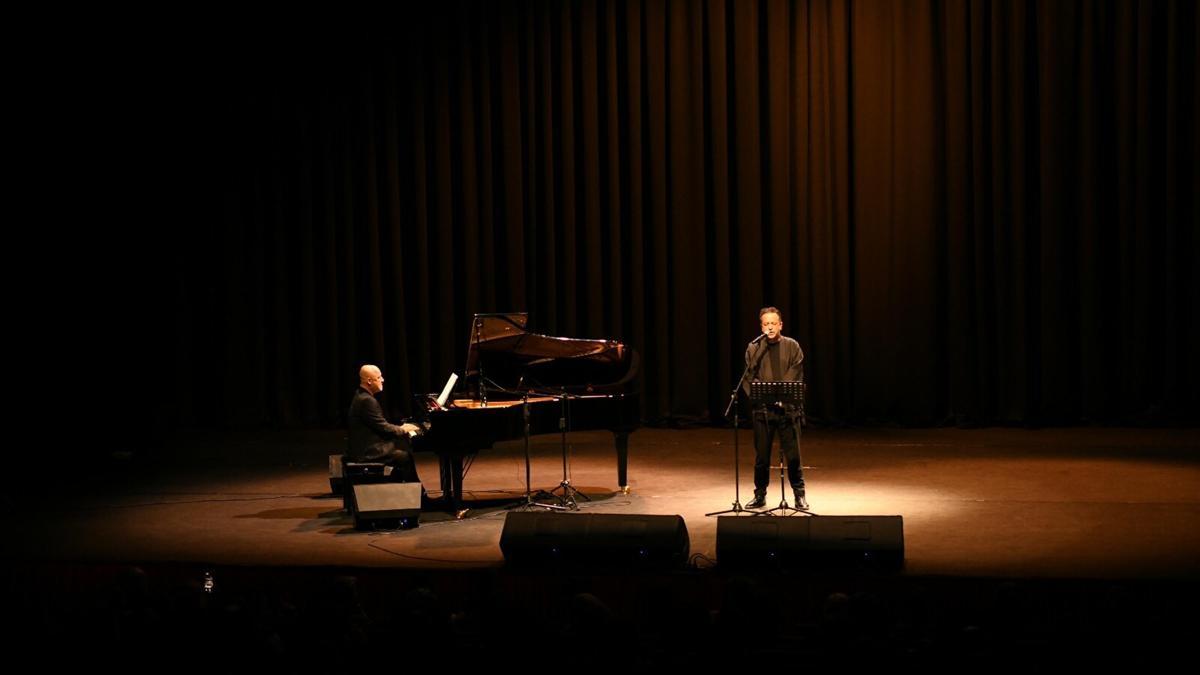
column 385, row 505
column 830, row 542
column 594, row 540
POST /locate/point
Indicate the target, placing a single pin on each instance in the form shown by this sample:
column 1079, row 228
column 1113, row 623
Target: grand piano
column 590, row 380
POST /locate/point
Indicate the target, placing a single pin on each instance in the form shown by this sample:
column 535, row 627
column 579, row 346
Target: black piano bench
column 360, row 473
column 336, row 479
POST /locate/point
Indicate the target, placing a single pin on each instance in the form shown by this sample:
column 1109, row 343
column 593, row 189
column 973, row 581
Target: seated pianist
column 373, row 438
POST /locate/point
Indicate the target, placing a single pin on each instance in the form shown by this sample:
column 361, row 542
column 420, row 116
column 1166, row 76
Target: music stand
column 780, row 394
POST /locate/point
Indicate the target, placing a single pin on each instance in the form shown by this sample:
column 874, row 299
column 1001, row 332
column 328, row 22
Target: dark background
column 968, row 212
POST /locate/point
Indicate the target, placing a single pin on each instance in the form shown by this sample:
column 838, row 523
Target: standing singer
column 774, row 357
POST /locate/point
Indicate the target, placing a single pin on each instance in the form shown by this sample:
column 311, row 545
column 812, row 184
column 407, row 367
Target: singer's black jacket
column 791, row 362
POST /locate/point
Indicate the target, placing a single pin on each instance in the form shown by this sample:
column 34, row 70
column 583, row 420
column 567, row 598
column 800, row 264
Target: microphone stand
column 530, row 502
column 567, row 500
column 478, row 340
column 733, row 396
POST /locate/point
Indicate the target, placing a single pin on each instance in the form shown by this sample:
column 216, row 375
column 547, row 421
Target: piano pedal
column 461, row 513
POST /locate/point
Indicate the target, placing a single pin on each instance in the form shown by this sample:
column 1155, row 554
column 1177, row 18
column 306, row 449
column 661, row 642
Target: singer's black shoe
column 759, row 501
column 801, row 502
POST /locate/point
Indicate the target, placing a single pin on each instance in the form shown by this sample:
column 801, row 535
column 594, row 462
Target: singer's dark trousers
column 767, row 424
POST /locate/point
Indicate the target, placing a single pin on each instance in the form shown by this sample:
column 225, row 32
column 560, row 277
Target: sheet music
column 441, row 399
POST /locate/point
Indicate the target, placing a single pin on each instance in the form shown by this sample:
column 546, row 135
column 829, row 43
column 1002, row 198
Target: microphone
column 758, row 339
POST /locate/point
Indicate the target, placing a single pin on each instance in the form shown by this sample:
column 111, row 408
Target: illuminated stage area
column 1083, row 503
column 1019, row 546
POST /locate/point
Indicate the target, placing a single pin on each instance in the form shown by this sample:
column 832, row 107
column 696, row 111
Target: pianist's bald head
column 370, row 378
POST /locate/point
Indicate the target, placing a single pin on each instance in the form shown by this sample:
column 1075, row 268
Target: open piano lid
column 513, row 358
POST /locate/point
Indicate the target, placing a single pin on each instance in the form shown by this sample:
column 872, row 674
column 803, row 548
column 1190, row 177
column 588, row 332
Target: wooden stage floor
column 1024, row 549
column 1086, row 503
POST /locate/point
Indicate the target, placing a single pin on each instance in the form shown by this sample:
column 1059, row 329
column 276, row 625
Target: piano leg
column 447, row 483
column 452, row 478
column 456, row 480
column 621, row 438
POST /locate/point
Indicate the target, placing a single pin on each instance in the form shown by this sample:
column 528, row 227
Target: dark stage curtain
column 968, row 212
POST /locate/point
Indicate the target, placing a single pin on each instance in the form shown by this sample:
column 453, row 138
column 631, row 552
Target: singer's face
column 771, row 325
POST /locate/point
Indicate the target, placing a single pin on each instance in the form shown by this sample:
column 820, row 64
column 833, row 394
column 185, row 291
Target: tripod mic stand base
column 567, row 500
column 736, row 508
column 532, row 502
column 785, row 510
